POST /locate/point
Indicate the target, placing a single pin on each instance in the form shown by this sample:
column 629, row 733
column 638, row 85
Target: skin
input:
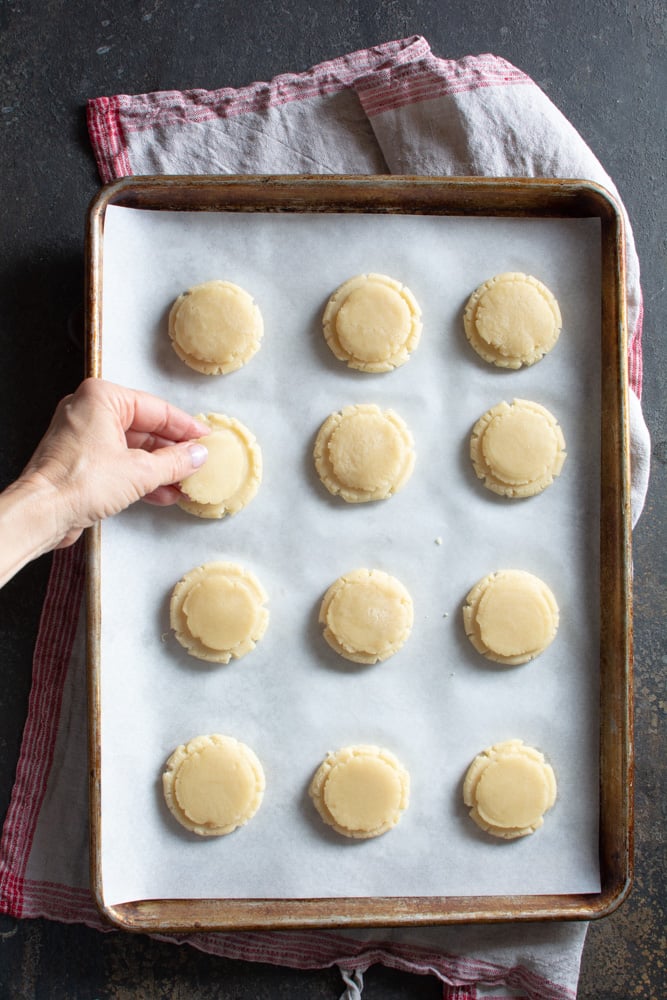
column 106, row 448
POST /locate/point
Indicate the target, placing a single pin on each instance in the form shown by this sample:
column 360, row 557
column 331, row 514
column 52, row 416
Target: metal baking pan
column 464, row 197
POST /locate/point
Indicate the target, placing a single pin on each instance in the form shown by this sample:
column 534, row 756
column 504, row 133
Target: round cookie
column 217, row 611
column 230, row 476
column 361, row 791
column 510, row 616
column 367, row 615
column 213, row 784
column 517, row 448
column 512, row 320
column 215, row 327
column 508, row 788
column 372, row 322
column 364, row 453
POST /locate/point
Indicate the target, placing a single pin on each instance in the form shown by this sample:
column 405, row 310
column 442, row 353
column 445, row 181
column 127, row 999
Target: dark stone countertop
column 603, row 65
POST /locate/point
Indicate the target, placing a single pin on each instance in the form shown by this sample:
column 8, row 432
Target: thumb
column 173, row 463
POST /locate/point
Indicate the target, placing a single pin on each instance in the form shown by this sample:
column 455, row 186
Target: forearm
column 28, row 525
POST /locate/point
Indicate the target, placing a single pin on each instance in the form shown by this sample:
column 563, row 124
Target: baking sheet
column 436, row 703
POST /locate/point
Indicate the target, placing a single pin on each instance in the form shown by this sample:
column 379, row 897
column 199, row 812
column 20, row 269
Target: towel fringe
column 354, row 983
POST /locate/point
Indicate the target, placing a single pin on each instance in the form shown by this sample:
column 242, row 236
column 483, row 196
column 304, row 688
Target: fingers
column 149, row 442
column 155, row 416
column 163, row 496
column 160, row 444
column 166, row 466
column 142, row 412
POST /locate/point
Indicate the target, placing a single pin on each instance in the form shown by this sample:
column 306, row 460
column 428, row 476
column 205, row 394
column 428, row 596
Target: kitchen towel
column 395, row 108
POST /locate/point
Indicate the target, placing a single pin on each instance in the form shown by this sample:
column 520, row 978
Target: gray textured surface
column 603, row 65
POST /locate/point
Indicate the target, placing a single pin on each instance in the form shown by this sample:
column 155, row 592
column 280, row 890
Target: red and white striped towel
column 395, row 108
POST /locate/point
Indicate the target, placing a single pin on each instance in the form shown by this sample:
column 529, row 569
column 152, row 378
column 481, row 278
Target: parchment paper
column 435, row 704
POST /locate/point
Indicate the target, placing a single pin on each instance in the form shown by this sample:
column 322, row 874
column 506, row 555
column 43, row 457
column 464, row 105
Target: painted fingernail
column 198, row 455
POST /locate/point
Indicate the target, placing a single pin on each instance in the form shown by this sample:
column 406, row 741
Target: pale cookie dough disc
column 217, row 611
column 215, row 327
column 230, row 476
column 508, row 788
column 361, row 791
column 517, row 448
column 364, row 453
column 372, row 322
column 367, row 615
column 510, row 616
column 512, row 320
column 213, row 784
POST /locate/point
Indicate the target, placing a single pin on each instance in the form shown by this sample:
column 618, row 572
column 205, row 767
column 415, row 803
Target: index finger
column 151, row 415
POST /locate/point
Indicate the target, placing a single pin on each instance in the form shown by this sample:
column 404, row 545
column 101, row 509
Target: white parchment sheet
column 435, row 704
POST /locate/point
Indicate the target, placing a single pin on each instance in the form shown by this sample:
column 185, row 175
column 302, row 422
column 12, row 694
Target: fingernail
column 198, row 455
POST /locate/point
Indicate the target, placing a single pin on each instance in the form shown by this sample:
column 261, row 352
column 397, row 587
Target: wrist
column 30, row 523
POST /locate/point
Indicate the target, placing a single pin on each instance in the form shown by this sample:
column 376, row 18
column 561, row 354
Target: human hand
column 105, row 448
